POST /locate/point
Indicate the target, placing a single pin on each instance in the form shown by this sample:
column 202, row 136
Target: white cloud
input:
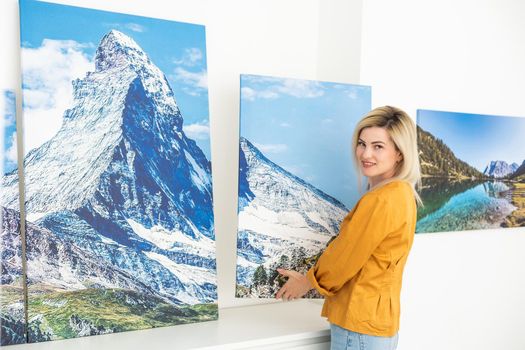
column 354, row 91
column 251, row 94
column 9, row 108
column 197, row 131
column 291, row 87
column 248, row 93
column 271, row 148
column 285, row 125
column 197, row 79
column 11, row 153
column 196, row 82
column 190, row 57
column 259, row 79
column 130, row 26
column 135, row 27
column 327, row 121
column 48, row 71
column 38, row 98
column 191, row 91
column 267, row 94
column 352, row 94
column 301, row 88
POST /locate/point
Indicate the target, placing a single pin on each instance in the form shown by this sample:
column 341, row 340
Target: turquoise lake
column 463, row 205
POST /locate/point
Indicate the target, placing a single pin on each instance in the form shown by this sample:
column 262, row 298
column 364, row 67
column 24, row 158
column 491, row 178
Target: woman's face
column 377, row 154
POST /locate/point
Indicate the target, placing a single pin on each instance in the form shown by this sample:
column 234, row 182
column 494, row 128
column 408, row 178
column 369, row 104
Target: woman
column 360, row 272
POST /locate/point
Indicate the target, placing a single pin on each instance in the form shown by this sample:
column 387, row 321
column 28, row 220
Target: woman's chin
column 367, row 172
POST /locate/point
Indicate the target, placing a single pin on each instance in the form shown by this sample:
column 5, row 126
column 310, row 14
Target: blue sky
column 475, row 138
column 9, row 162
column 178, row 49
column 306, row 127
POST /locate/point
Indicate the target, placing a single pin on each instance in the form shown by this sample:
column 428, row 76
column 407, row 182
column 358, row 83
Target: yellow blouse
column 360, row 272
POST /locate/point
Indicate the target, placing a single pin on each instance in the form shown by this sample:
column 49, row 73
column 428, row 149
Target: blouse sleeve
column 358, row 237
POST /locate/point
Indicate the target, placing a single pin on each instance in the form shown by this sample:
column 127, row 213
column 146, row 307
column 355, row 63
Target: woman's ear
column 399, row 157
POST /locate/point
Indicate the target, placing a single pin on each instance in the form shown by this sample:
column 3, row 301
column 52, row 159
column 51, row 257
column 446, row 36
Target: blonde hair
column 402, row 130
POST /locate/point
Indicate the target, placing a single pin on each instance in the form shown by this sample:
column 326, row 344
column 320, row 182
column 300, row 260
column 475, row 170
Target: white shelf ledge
column 285, row 325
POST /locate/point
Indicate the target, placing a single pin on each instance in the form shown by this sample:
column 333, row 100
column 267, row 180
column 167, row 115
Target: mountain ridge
column 437, row 159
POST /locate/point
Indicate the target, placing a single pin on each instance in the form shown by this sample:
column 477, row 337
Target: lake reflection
column 462, row 205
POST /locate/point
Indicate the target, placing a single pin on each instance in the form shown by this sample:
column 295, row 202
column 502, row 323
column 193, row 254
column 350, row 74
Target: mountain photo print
column 118, row 192
column 473, row 170
column 12, row 299
column 296, row 175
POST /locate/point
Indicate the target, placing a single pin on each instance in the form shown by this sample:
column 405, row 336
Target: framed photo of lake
column 473, row 169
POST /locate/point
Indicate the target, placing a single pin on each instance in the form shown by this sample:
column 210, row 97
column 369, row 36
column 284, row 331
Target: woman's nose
column 367, row 152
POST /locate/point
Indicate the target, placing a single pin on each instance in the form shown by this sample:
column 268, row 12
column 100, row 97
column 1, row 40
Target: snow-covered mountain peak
column 117, row 54
column 125, row 108
column 268, row 172
column 274, row 187
column 117, row 49
column 245, row 144
column 251, row 152
column 500, row 168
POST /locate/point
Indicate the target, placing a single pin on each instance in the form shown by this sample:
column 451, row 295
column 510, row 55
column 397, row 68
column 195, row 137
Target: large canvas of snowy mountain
column 118, row 194
column 12, row 301
column 296, row 179
column 473, row 170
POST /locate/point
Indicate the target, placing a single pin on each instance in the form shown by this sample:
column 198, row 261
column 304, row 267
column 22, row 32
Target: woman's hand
column 296, row 286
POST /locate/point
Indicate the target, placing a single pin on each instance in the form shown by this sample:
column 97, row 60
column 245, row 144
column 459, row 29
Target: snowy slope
column 279, row 212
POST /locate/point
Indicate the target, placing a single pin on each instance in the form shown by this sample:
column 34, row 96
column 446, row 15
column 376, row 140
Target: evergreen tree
column 260, row 277
column 298, row 256
column 273, row 274
column 284, row 262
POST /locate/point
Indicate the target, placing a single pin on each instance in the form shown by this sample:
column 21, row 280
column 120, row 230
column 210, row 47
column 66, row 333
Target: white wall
column 339, row 50
column 461, row 290
column 308, row 39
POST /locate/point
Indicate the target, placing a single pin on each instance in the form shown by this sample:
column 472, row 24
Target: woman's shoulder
column 393, row 192
column 393, row 187
column 395, row 197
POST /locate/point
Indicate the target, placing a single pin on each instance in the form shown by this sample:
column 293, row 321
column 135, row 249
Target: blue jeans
column 343, row 339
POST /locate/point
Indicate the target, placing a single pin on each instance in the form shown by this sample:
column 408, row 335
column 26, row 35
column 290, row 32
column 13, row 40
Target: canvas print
column 118, row 193
column 473, row 170
column 12, row 301
column 296, row 176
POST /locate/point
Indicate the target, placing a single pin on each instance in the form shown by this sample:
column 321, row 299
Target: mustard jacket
column 360, row 272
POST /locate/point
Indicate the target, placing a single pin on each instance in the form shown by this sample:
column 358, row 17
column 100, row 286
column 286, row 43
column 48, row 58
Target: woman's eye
column 378, row 147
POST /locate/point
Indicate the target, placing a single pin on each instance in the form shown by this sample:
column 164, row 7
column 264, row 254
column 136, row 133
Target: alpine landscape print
column 473, row 170
column 118, row 192
column 12, row 295
column 296, row 177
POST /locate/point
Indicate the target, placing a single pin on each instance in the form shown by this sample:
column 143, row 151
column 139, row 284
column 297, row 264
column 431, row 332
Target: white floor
column 286, row 325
